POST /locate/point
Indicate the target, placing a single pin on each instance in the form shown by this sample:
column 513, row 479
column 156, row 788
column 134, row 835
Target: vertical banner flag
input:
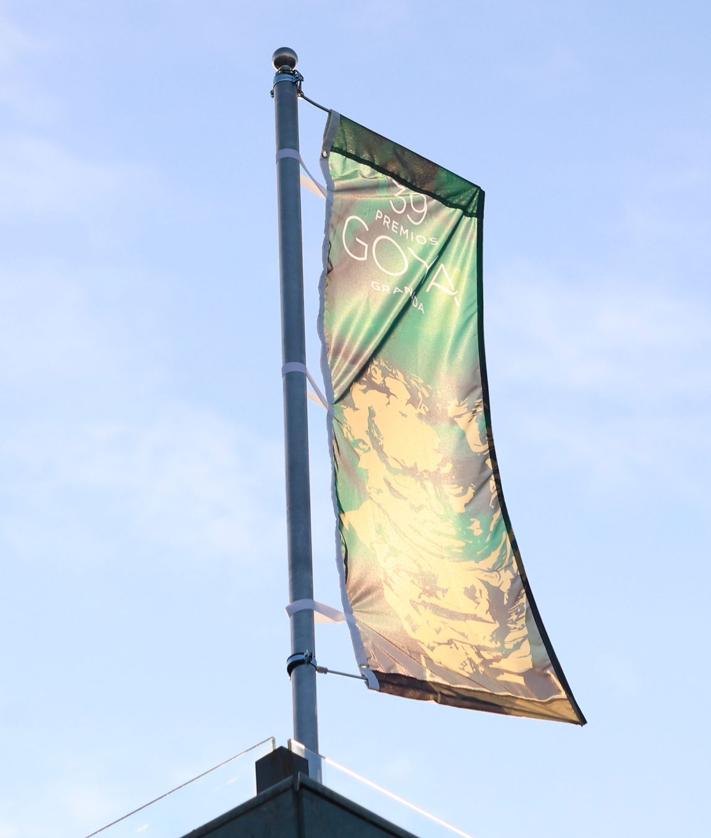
column 434, row 590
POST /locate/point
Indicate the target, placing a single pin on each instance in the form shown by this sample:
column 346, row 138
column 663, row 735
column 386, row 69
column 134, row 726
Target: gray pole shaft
column 298, row 503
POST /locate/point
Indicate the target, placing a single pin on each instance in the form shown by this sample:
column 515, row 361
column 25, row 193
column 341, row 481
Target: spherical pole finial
column 284, row 57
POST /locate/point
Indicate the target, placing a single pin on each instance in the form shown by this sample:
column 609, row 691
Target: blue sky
column 143, row 635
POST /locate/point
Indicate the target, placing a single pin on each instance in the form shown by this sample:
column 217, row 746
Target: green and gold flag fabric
column 434, row 591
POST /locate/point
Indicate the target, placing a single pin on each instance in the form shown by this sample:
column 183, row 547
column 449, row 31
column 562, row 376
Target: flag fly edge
column 581, row 720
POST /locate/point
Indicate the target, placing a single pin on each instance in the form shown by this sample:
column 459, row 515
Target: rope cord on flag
column 297, row 366
column 293, row 153
column 182, row 785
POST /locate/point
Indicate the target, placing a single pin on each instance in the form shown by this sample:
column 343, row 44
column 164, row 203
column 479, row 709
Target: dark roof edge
column 252, row 803
column 295, row 783
column 339, row 800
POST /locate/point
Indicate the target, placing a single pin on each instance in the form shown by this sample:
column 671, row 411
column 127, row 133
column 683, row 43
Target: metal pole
column 298, row 503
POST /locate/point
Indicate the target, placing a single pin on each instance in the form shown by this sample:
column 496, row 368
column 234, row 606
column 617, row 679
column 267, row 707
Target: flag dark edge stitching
column 384, row 170
column 558, row 669
column 416, row 689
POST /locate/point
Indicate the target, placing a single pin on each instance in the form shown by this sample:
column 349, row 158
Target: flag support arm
column 298, row 504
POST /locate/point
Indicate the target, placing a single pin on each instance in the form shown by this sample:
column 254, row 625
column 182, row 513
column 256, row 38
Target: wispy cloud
column 612, row 375
column 609, row 337
column 19, row 96
column 187, row 481
column 14, row 42
column 49, row 330
column 77, row 805
column 84, row 803
column 38, row 173
column 40, row 176
column 548, row 72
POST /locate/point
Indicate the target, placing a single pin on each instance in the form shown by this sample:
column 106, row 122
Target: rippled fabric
column 433, row 586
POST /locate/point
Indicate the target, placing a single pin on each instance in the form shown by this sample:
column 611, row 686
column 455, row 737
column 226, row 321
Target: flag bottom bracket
column 307, row 658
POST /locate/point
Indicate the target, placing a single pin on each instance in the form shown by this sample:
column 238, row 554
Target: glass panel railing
column 374, row 797
column 194, row 802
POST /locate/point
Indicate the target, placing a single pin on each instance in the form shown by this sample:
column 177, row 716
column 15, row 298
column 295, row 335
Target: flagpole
column 298, row 503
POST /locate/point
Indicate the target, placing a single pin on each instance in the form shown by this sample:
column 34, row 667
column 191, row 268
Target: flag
column 434, row 590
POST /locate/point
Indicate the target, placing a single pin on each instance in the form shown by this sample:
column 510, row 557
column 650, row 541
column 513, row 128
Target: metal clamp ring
column 293, row 76
column 298, row 659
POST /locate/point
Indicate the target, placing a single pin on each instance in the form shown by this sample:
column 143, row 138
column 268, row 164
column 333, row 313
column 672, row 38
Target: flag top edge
column 343, row 136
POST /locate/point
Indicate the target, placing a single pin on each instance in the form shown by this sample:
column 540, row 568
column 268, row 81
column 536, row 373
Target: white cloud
column 18, row 94
column 70, row 807
column 38, row 175
column 48, row 330
column 607, row 379
column 100, row 455
column 187, row 480
column 22, row 98
column 14, row 43
column 84, row 803
column 609, row 337
column 547, row 72
column 400, row 769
